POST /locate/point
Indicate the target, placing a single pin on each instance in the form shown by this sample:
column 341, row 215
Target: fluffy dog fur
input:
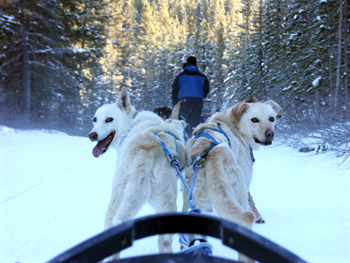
column 143, row 172
column 223, row 180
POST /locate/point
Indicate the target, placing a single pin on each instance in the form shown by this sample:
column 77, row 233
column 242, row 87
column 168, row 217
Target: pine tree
column 87, row 33
column 308, row 43
column 255, row 60
column 33, row 59
column 217, row 86
column 346, row 59
column 244, row 40
column 46, row 63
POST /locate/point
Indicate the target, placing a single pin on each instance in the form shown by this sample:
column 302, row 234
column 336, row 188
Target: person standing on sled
column 190, row 87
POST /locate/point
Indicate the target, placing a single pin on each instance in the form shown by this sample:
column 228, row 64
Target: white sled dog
column 143, row 171
column 224, row 178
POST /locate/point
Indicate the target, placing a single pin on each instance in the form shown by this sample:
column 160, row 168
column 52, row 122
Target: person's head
column 192, row 60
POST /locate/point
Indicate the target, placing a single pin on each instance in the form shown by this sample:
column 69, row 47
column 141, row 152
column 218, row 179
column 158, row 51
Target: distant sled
column 122, row 236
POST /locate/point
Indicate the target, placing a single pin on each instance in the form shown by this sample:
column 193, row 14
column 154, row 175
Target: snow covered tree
column 41, row 67
column 33, row 59
column 346, row 55
column 254, row 63
column 308, row 46
column 86, row 27
column 244, row 38
column 217, row 79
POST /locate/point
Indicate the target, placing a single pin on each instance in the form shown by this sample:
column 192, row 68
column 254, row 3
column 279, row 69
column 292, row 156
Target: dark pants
column 191, row 110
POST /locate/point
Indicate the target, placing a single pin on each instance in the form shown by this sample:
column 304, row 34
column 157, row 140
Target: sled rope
column 174, row 163
column 199, row 160
column 205, row 247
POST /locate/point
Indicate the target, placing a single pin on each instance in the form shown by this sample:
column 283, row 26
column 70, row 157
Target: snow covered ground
column 53, row 195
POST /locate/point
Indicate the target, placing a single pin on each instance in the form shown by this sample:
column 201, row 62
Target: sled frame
column 122, row 236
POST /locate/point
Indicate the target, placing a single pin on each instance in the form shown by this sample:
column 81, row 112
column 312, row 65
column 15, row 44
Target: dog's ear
column 239, row 109
column 183, row 124
column 275, row 106
column 123, row 101
column 252, row 99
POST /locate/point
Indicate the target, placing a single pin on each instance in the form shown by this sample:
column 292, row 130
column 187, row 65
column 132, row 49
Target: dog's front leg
column 259, row 219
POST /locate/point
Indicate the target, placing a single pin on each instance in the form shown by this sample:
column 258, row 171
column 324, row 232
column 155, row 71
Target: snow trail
column 53, row 195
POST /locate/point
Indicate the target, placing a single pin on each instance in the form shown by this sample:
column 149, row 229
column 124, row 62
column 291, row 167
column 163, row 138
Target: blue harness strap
column 202, row 133
column 205, row 247
column 170, row 156
column 174, row 163
column 198, row 160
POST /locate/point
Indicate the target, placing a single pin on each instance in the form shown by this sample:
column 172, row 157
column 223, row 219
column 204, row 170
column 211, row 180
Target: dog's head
column 110, row 121
column 163, row 112
column 256, row 121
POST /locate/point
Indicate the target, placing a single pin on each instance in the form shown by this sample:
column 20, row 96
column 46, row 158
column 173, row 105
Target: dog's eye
column 109, row 120
column 255, row 120
column 94, row 119
column 272, row 119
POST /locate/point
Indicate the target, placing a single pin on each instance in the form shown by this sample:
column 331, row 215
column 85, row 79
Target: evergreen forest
column 62, row 59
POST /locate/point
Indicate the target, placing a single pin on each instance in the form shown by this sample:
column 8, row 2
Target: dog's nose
column 269, row 134
column 93, row 136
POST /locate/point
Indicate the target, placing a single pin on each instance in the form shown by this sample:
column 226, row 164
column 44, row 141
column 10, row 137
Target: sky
column 54, row 193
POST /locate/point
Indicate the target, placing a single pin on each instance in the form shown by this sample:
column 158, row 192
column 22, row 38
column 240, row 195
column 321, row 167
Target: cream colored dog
column 224, row 178
column 143, row 171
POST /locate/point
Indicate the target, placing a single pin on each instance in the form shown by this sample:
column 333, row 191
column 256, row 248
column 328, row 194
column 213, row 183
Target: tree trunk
column 317, row 104
column 26, row 72
column 346, row 62
column 77, row 92
column 337, row 88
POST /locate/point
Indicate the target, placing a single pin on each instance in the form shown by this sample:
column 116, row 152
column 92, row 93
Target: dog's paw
column 260, row 220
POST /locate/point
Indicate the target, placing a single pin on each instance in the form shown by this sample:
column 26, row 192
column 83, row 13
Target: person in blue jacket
column 191, row 86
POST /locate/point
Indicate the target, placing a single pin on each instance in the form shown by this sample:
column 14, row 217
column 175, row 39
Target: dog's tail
column 176, row 110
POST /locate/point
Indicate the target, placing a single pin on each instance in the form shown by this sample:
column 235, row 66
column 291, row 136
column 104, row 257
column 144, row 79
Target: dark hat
column 192, row 60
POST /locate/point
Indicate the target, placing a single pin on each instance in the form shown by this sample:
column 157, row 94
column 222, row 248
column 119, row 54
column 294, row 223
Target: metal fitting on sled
column 192, row 238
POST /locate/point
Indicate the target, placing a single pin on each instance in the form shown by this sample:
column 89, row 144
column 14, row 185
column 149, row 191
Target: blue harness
column 174, row 163
column 199, row 160
column 172, row 157
column 206, row 248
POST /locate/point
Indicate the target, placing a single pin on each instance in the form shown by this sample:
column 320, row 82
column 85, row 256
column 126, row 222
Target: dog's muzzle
column 269, row 134
column 102, row 145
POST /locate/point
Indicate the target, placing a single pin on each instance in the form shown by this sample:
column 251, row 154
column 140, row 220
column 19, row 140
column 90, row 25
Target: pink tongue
column 98, row 150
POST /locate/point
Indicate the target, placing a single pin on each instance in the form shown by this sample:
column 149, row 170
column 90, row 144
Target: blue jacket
column 190, row 84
